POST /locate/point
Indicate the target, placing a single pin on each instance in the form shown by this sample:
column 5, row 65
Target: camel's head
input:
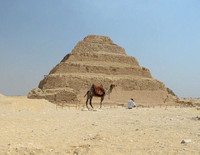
column 112, row 86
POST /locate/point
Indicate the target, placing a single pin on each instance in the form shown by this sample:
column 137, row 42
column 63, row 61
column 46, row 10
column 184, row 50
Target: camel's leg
column 102, row 98
column 87, row 103
column 91, row 103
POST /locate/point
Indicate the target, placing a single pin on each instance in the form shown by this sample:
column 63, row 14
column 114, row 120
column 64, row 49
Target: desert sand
column 36, row 126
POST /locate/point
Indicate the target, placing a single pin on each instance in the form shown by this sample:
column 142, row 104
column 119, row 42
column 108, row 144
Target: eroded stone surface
column 98, row 60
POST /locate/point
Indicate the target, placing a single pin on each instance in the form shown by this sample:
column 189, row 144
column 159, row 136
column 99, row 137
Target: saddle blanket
column 99, row 91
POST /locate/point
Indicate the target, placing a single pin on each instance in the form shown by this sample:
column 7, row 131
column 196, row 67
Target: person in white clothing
column 131, row 103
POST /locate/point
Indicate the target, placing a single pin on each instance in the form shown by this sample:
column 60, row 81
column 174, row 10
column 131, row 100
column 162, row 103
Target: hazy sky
column 164, row 35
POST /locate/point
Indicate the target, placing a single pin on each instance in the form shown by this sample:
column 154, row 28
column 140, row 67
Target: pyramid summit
column 98, row 44
column 97, row 60
column 98, row 39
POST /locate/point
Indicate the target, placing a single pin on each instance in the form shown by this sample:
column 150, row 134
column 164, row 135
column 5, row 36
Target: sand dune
column 36, row 127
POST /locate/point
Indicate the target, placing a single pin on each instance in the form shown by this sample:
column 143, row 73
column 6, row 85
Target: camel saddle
column 98, row 90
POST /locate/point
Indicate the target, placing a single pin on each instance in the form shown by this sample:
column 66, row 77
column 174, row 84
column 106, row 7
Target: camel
column 91, row 93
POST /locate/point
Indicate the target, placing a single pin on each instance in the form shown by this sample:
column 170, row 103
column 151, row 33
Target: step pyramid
column 97, row 60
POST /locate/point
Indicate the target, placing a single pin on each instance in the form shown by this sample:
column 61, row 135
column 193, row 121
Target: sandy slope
column 36, row 126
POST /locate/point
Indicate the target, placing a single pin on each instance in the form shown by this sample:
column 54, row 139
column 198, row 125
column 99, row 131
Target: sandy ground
column 37, row 127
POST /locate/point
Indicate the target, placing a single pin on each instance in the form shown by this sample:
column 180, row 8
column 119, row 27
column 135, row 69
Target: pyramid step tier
column 96, row 58
column 93, row 47
column 70, row 67
column 81, row 81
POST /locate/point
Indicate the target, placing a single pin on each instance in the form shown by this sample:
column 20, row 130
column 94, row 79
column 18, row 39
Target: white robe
column 131, row 104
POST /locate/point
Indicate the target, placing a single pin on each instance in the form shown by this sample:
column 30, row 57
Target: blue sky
column 163, row 35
